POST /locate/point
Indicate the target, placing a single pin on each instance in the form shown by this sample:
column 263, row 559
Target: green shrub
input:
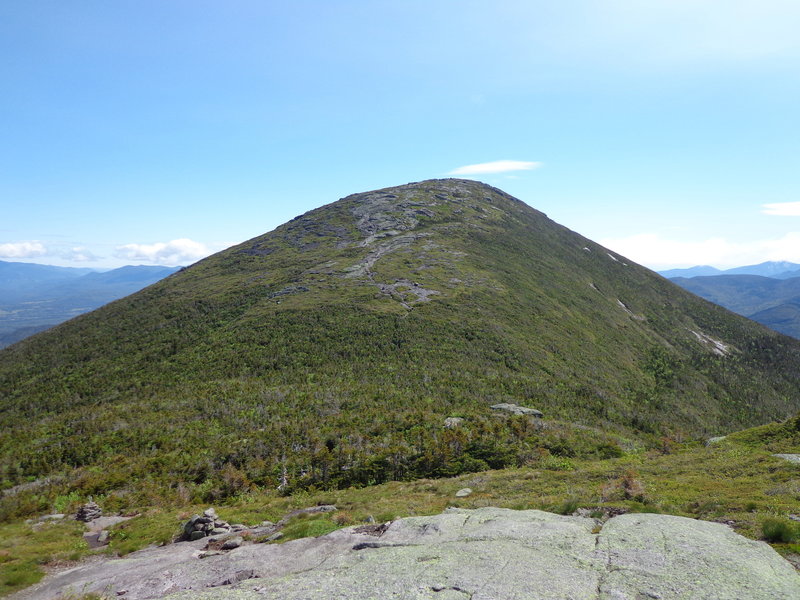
column 778, row 530
column 556, row 463
column 66, row 501
column 567, row 507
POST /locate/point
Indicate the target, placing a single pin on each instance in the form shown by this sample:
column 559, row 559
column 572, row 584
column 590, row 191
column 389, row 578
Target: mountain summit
column 332, row 350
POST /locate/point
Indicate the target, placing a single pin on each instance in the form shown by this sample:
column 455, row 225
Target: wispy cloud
column 658, row 252
column 782, row 209
column 497, row 166
column 22, row 249
column 176, row 252
column 79, row 254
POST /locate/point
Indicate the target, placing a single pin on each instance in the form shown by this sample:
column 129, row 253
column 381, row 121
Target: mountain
column 331, row 351
column 772, row 302
column 36, row 297
column 775, row 269
column 784, row 318
column 765, row 269
column 18, row 280
column 690, row 272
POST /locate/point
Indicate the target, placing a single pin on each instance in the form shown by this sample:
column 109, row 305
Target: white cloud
column 497, row 166
column 79, row 254
column 782, row 209
column 22, row 249
column 177, row 252
column 656, row 252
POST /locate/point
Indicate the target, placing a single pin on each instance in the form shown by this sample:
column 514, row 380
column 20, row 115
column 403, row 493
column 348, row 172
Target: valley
column 771, row 301
column 36, row 297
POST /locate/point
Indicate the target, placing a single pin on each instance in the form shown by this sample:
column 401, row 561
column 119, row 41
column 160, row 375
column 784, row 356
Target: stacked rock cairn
column 207, row 524
column 89, row 512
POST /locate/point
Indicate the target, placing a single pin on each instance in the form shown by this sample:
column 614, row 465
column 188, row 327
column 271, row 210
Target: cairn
column 207, row 524
column 89, row 512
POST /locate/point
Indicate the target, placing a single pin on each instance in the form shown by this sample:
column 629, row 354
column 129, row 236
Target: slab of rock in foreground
column 482, row 554
column 662, row 556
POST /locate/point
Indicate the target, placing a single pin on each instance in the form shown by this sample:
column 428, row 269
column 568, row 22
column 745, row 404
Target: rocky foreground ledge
column 482, row 554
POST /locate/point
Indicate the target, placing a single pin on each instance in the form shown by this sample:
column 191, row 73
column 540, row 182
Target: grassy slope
column 285, row 352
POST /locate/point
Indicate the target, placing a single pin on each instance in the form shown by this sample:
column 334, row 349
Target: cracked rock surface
column 482, row 554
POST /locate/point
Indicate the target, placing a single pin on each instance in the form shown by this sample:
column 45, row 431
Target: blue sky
column 158, row 132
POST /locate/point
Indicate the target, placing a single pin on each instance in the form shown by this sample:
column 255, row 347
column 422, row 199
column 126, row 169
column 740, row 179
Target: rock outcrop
column 516, row 409
column 482, row 554
column 795, row 458
column 453, row 422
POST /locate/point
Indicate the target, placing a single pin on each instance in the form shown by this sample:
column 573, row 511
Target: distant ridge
column 20, row 278
column 36, row 297
column 691, row 272
column 775, row 269
column 333, row 350
column 778, row 269
column 772, row 302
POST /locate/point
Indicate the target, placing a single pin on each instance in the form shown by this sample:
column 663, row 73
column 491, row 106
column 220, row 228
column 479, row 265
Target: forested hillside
column 330, row 351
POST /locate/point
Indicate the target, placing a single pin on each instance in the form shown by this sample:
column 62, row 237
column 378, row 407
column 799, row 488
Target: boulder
column 232, row 543
column 516, row 409
column 715, row 440
column 463, row 492
column 275, row 536
column 794, row 458
column 54, row 517
column 453, row 422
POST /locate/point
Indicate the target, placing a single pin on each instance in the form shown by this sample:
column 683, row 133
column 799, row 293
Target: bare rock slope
column 481, row 554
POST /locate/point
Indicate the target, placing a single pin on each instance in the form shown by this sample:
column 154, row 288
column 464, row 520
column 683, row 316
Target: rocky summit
column 482, row 554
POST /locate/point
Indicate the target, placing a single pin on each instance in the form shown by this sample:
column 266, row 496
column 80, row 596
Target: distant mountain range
column 768, row 293
column 36, row 297
column 774, row 269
